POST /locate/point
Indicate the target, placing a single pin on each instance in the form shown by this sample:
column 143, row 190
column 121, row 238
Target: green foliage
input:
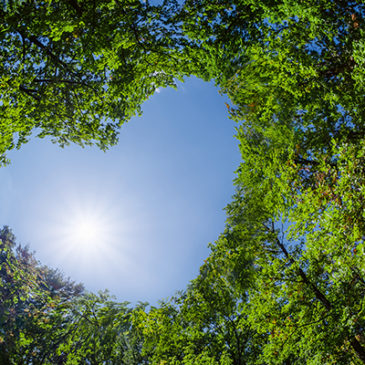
column 301, row 129
column 46, row 319
column 77, row 70
column 284, row 283
column 293, row 73
column 28, row 294
column 92, row 329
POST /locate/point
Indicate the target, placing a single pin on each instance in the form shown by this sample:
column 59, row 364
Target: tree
column 284, row 284
column 47, row 319
column 92, row 329
column 296, row 85
column 29, row 292
column 77, row 70
column 206, row 324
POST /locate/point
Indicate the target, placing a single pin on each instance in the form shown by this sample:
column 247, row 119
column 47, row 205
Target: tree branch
column 360, row 351
column 30, row 92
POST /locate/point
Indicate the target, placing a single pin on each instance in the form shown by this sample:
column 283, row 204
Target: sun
column 88, row 236
column 87, row 230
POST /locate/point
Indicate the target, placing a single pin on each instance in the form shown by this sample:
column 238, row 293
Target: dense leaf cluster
column 285, row 282
column 77, row 70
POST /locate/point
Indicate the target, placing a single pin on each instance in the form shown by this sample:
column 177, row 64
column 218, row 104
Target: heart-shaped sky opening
column 136, row 219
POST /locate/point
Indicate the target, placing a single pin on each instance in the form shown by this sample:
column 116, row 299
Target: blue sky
column 155, row 200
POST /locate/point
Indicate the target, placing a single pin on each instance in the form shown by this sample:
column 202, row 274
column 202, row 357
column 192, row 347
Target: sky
column 137, row 219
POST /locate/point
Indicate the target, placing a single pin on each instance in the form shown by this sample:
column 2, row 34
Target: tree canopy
column 284, row 283
column 77, row 70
